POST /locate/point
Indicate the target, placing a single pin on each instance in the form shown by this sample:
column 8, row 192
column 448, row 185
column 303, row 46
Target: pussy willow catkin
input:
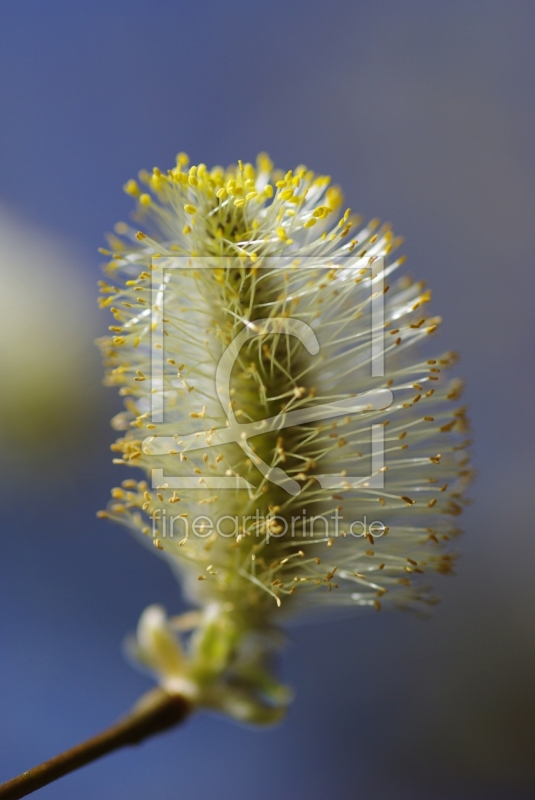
column 300, row 450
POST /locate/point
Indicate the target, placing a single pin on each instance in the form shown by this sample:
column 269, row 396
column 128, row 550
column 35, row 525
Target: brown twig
column 155, row 712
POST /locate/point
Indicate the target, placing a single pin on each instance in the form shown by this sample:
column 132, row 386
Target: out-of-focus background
column 424, row 111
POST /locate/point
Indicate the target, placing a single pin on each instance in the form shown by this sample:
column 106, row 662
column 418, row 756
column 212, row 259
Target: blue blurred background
column 424, row 111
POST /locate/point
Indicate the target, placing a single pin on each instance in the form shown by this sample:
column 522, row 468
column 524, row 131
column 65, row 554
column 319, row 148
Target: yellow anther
column 239, row 202
column 192, row 180
column 287, row 193
column 268, row 190
column 280, row 184
column 335, row 197
column 221, row 193
column 310, row 222
column 281, row 233
column 145, row 199
column 186, row 229
column 182, row 159
column 264, row 162
column 189, row 209
column 251, row 195
column 132, row 188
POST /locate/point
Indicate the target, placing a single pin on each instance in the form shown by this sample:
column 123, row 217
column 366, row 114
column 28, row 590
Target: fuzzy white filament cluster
column 286, row 471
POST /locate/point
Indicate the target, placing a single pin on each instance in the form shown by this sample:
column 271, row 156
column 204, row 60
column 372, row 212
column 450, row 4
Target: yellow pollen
column 132, row 188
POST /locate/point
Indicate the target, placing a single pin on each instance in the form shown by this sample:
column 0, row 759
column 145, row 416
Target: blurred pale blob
column 47, row 366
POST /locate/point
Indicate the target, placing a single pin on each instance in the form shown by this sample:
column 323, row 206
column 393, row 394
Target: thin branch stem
column 155, row 712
